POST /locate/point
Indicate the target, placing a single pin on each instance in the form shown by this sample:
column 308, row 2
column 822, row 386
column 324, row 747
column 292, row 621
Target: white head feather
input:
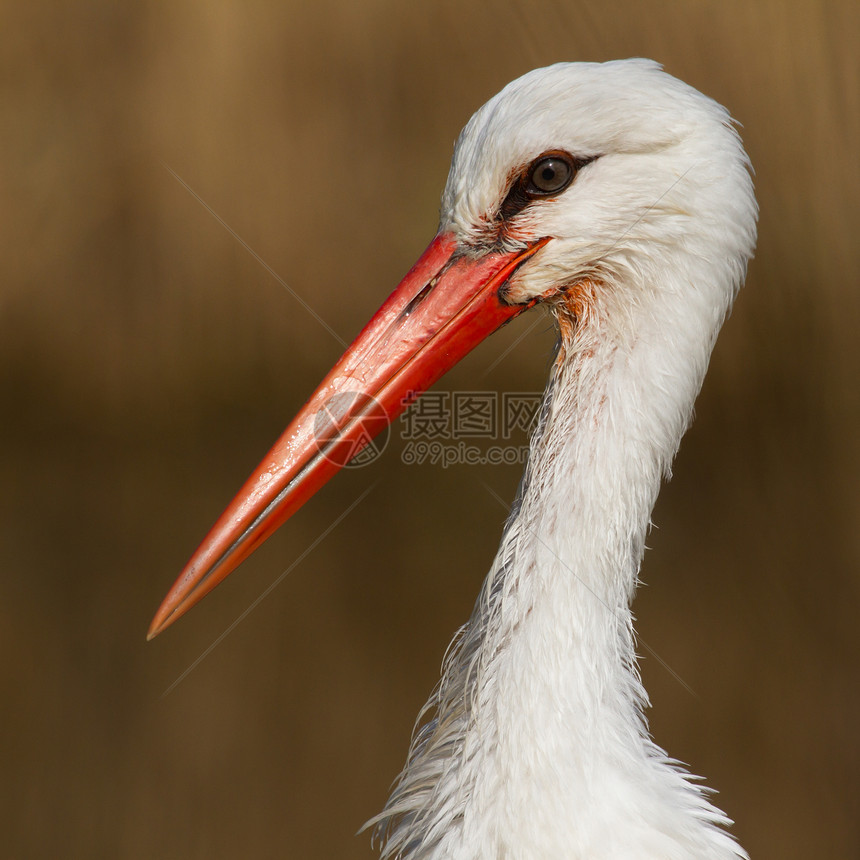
column 534, row 743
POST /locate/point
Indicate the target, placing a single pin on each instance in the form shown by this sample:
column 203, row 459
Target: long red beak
column 444, row 307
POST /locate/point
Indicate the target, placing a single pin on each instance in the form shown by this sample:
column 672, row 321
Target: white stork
column 621, row 198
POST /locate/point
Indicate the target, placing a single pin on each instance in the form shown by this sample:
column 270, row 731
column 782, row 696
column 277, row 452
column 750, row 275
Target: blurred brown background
column 147, row 361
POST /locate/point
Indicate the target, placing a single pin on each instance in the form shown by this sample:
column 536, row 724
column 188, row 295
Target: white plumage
column 622, row 198
column 535, row 744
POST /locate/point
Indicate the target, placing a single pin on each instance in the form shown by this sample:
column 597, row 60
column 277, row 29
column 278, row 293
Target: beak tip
column 159, row 624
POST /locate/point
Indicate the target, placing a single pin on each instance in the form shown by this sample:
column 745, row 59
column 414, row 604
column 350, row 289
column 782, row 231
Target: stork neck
column 567, row 568
column 538, row 747
column 594, row 475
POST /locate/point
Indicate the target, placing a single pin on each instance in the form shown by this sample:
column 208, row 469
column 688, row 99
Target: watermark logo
column 446, row 428
column 441, row 428
column 461, row 453
column 365, row 443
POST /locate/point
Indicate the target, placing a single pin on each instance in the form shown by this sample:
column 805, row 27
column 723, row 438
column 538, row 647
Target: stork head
column 622, row 165
column 612, row 174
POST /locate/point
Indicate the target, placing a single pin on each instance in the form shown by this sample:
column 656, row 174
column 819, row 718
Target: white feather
column 534, row 744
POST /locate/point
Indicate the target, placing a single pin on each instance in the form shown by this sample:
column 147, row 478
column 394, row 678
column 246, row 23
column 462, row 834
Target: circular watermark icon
column 368, row 425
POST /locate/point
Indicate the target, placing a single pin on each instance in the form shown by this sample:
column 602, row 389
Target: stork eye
column 550, row 174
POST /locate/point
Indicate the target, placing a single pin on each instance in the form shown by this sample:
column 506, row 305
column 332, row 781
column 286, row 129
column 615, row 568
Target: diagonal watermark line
column 647, row 647
column 254, row 254
column 538, row 318
column 651, row 207
column 269, row 589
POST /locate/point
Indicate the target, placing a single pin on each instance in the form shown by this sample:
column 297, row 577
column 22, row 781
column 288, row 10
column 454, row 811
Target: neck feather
column 534, row 743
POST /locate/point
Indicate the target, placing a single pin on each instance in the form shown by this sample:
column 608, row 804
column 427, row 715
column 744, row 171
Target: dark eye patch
column 547, row 176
